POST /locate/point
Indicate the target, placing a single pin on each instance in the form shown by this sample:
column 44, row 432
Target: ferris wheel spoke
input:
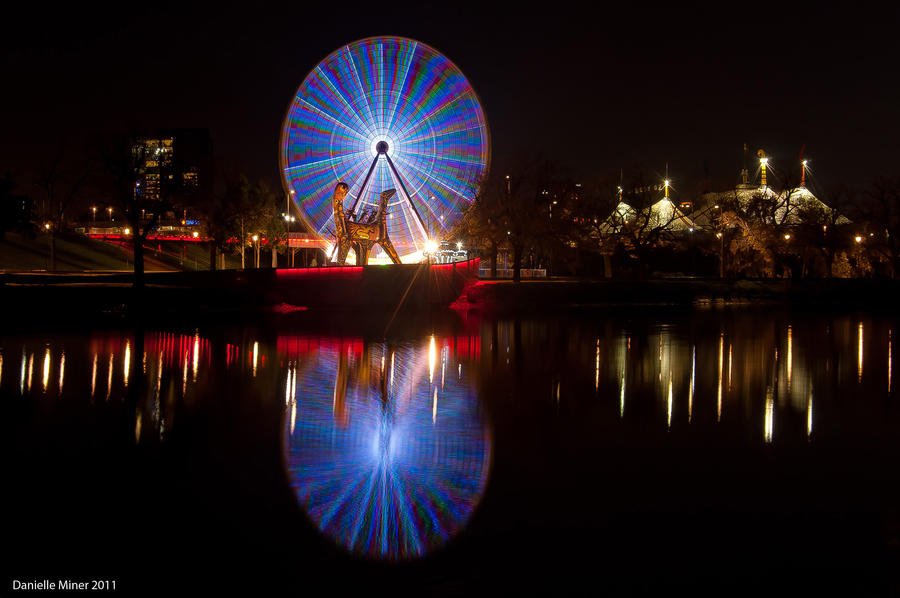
column 447, row 132
column 351, row 110
column 362, row 94
column 431, row 116
column 399, row 91
column 437, row 180
column 310, row 166
column 333, row 119
column 444, row 158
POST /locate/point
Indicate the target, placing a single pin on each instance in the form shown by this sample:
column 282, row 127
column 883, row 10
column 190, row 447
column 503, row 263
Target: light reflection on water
column 387, row 459
column 389, row 452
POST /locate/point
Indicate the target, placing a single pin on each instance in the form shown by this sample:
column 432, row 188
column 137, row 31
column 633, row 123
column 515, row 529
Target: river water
column 628, row 451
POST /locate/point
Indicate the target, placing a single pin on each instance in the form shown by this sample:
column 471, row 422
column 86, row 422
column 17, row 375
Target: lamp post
column 94, row 215
column 290, row 220
column 255, row 239
column 721, row 235
column 109, row 209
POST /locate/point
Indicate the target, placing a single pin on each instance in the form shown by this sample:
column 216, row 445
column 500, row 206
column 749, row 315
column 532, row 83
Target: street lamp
column 787, row 237
column 255, row 239
column 109, row 209
column 859, row 238
column 94, row 214
column 721, row 236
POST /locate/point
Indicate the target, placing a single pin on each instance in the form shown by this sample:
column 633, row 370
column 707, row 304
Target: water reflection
column 389, row 452
column 385, row 458
column 768, row 377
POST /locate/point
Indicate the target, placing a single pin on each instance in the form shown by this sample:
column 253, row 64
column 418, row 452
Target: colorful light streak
column 860, row 353
column 403, row 92
column 393, row 481
column 45, row 377
column 719, row 392
column 109, row 377
column 693, row 381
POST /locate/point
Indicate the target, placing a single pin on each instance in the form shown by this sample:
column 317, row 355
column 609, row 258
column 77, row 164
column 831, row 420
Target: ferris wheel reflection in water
column 385, row 445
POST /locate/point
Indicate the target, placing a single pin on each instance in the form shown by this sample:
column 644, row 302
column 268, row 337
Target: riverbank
column 352, row 291
column 380, row 292
column 500, row 296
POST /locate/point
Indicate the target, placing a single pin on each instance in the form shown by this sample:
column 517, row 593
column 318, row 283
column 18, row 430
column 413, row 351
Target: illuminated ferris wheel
column 386, row 113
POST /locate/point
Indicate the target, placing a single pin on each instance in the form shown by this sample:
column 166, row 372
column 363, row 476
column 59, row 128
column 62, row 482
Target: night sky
column 594, row 89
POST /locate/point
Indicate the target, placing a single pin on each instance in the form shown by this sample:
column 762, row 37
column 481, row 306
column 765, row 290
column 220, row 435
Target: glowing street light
column 859, row 238
column 94, row 214
column 787, row 237
column 47, row 226
column 195, row 234
column 763, row 162
column 127, row 231
column 459, row 245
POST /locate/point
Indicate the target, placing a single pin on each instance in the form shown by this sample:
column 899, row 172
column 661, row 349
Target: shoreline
column 354, row 293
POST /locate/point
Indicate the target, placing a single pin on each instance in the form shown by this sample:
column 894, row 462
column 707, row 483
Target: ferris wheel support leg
column 406, row 192
column 362, row 189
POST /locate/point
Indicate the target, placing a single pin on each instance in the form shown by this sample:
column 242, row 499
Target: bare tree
column 123, row 159
column 880, row 215
column 61, row 187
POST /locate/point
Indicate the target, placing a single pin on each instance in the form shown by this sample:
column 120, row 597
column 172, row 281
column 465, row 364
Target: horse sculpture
column 362, row 236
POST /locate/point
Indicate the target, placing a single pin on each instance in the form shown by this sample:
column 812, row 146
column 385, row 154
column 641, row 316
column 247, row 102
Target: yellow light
column 805, row 162
column 763, row 161
column 431, row 246
column 666, row 182
column 432, row 359
column 459, row 246
column 787, row 237
column 858, row 239
column 195, row 234
column 255, row 238
column 127, row 231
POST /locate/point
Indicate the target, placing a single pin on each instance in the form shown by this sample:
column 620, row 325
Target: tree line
column 617, row 228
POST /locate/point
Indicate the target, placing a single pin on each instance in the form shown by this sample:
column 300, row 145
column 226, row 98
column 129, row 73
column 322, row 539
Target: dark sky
column 593, row 88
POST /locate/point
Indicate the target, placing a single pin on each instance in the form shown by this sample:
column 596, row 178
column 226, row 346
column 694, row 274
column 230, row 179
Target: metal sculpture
column 363, row 231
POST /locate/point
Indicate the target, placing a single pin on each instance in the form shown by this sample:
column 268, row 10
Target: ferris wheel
column 386, row 113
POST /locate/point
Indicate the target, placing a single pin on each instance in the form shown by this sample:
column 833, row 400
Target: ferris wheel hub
column 382, row 147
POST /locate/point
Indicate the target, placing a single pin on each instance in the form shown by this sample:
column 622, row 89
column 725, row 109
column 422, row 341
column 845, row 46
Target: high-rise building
column 173, row 163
